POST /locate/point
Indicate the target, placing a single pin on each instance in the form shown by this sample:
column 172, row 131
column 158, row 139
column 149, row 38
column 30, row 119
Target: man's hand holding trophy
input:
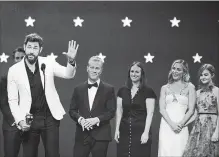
column 25, row 125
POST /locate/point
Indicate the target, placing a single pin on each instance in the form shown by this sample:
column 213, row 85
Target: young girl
column 203, row 140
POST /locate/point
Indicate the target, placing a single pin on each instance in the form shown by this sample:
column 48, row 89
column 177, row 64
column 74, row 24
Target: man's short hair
column 34, row 37
column 95, row 59
column 19, row 49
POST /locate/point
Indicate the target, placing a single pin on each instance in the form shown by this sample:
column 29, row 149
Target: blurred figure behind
column 12, row 138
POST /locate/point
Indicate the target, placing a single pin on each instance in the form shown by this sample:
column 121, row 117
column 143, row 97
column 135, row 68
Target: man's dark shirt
column 39, row 104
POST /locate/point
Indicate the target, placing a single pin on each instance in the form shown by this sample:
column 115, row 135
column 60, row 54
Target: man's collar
column 98, row 82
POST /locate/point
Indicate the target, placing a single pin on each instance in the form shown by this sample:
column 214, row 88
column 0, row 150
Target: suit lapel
column 98, row 95
column 23, row 74
column 85, row 91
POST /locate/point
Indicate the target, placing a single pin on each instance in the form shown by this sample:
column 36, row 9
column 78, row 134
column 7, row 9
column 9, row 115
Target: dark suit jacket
column 104, row 107
column 8, row 118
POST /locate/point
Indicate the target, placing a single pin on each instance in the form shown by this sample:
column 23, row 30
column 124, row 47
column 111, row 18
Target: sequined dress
column 199, row 143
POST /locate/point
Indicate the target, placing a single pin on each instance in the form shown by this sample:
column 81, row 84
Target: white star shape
column 175, row 22
column 29, row 21
column 149, row 58
column 78, row 21
column 52, row 56
column 197, row 58
column 101, row 56
column 126, row 22
column 3, row 58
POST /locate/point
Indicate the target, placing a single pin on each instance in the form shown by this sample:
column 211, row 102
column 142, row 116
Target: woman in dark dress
column 135, row 108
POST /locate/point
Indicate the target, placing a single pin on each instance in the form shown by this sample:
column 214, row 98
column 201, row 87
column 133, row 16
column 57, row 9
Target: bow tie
column 94, row 84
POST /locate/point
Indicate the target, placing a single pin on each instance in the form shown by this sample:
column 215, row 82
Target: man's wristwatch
column 71, row 61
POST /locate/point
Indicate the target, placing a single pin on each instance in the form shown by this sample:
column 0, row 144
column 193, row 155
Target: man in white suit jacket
column 31, row 89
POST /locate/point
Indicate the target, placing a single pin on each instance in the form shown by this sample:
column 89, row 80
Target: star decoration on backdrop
column 101, row 56
column 197, row 58
column 78, row 21
column 3, row 58
column 126, row 22
column 149, row 58
column 52, row 56
column 175, row 22
column 29, row 21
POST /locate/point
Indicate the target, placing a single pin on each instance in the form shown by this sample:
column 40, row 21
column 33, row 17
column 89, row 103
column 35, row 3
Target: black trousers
column 96, row 148
column 12, row 142
column 48, row 130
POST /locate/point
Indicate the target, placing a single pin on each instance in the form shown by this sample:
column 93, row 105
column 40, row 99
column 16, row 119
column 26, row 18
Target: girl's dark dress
column 133, row 123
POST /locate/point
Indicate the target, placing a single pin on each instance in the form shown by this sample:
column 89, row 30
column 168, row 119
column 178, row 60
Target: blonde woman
column 177, row 103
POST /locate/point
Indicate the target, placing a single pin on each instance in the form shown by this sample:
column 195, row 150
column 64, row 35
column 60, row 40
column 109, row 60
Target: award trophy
column 29, row 118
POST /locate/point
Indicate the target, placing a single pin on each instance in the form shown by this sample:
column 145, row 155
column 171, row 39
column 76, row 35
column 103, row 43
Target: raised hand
column 72, row 50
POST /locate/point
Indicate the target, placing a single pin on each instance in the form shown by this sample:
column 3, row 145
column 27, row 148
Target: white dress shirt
column 92, row 93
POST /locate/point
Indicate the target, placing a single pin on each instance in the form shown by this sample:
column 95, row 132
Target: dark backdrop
column 102, row 31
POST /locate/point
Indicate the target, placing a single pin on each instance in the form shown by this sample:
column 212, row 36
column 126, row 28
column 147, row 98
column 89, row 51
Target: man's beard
column 31, row 61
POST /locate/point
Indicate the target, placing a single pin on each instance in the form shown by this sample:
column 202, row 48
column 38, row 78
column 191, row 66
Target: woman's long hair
column 142, row 79
column 185, row 77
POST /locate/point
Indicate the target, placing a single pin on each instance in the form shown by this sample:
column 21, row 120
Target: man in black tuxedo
column 12, row 138
column 92, row 107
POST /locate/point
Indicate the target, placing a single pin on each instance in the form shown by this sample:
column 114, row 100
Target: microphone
column 43, row 67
